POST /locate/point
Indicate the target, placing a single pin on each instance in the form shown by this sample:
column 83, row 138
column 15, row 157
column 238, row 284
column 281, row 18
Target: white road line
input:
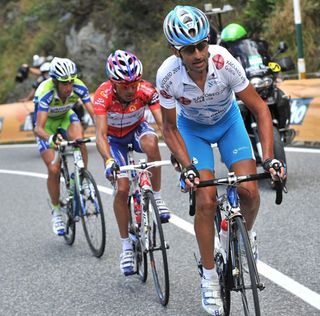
column 162, row 144
column 290, row 285
column 25, row 173
column 270, row 273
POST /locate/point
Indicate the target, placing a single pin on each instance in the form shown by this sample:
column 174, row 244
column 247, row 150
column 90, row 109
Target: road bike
column 80, row 197
column 234, row 258
column 145, row 227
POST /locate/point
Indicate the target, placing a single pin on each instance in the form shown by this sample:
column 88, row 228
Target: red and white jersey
column 122, row 121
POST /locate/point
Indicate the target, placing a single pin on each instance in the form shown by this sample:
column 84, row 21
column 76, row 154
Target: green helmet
column 233, row 32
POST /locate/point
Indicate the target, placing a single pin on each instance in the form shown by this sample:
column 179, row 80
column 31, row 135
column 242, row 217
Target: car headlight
column 259, row 83
column 267, row 81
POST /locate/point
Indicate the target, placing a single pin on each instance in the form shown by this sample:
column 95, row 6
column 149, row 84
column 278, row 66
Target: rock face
column 88, row 48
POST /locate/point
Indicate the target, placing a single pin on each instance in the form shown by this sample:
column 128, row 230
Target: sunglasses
column 190, row 49
column 66, row 79
column 125, row 85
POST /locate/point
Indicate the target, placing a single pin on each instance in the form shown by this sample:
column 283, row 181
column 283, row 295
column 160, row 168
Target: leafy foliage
column 40, row 27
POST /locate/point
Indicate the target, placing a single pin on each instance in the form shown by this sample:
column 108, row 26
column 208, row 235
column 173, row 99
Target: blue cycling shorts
column 119, row 145
column 229, row 133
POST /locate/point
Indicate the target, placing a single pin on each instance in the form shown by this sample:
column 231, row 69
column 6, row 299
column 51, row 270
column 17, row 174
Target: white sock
column 157, row 195
column 126, row 244
column 210, row 274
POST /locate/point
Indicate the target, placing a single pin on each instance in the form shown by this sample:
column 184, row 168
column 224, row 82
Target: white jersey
column 225, row 77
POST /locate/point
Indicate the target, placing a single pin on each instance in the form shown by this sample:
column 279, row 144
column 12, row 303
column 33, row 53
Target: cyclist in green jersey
column 55, row 120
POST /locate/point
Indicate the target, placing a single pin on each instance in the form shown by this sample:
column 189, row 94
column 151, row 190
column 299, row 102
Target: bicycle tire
column 66, row 205
column 159, row 263
column 91, row 213
column 141, row 258
column 247, row 282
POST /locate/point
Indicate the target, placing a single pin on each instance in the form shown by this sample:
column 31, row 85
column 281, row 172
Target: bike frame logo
column 299, row 108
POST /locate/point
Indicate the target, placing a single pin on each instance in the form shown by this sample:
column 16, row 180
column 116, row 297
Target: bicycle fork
column 145, row 225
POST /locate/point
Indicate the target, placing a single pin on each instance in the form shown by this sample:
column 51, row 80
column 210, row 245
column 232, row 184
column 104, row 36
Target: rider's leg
column 53, row 180
column 204, row 220
column 121, row 211
column 120, row 205
column 75, row 131
column 248, row 191
column 149, row 145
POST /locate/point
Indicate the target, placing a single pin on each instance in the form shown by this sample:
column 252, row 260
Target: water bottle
column 71, row 184
column 223, row 234
column 137, row 206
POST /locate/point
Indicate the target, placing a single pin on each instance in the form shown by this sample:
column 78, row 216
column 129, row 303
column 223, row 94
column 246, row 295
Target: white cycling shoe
column 211, row 297
column 163, row 211
column 127, row 262
column 58, row 225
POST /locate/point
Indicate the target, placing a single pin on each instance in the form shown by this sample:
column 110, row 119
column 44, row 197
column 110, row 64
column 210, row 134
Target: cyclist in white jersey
column 197, row 86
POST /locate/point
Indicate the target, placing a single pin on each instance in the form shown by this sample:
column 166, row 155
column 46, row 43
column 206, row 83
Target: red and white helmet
column 123, row 66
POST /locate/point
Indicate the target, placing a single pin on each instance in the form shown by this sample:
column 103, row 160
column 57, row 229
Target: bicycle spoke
column 66, row 205
column 248, row 279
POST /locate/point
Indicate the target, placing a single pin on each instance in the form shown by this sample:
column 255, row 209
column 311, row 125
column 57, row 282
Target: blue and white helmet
column 185, row 25
column 62, row 69
column 123, row 67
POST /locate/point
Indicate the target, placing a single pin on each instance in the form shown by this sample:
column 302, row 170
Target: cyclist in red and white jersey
column 119, row 106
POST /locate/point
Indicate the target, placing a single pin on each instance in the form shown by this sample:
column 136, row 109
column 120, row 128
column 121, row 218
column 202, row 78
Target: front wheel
column 92, row 215
column 245, row 274
column 158, row 251
column 67, row 205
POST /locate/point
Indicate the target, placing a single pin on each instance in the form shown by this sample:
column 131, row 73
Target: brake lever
column 192, row 199
column 192, row 202
column 279, row 186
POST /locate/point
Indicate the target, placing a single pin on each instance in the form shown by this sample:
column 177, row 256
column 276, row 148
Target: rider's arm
column 39, row 129
column 158, row 118
column 262, row 115
column 101, row 136
column 173, row 137
column 89, row 107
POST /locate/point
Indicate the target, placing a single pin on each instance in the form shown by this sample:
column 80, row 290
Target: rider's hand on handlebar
column 189, row 178
column 111, row 170
column 55, row 139
column 276, row 167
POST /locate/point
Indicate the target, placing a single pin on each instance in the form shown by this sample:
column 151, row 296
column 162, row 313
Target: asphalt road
column 41, row 275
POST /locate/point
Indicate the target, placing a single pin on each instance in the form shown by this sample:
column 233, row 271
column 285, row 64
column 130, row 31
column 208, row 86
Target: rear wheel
column 246, row 278
column 92, row 215
column 135, row 234
column 66, row 205
column 158, row 252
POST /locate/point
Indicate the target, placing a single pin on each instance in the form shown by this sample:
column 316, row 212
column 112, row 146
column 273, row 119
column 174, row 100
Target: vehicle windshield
column 246, row 52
